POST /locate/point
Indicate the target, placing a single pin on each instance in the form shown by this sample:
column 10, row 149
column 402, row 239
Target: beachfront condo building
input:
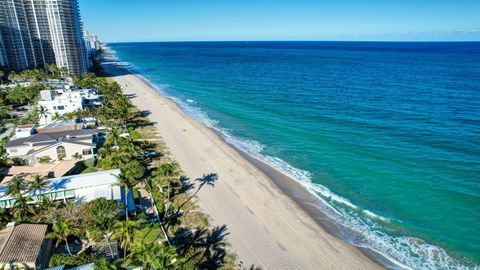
column 67, row 35
column 38, row 32
column 17, row 48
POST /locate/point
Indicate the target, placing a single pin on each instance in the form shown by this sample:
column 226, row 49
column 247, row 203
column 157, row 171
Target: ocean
column 385, row 134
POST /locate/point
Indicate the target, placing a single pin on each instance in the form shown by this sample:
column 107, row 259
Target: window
column 86, row 152
column 69, row 193
column 60, row 108
column 12, row 202
column 56, row 195
column 13, row 150
column 61, row 152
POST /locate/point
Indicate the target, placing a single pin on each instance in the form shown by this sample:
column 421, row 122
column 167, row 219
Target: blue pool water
column 386, row 134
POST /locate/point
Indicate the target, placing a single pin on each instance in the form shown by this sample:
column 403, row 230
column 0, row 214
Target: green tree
column 47, row 204
column 4, row 112
column 43, row 112
column 77, row 156
column 103, row 264
column 22, row 207
column 64, row 71
column 76, row 260
column 61, row 230
column 150, row 184
column 44, row 159
column 32, row 92
column 128, row 177
column 56, row 116
column 124, row 231
column 37, row 184
column 166, row 174
column 155, row 256
column 86, row 80
column 53, row 70
column 99, row 216
column 16, row 186
column 16, row 95
column 117, row 150
column 12, row 76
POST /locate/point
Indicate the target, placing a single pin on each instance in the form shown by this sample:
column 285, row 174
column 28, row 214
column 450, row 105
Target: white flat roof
column 78, row 181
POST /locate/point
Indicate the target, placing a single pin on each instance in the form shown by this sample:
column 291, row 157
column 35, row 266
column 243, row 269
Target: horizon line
column 280, row 40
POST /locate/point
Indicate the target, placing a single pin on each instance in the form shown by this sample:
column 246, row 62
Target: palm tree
column 125, row 182
column 53, row 69
column 167, row 172
column 61, row 231
column 128, row 177
column 208, row 179
column 22, row 207
column 64, row 71
column 77, row 156
column 47, row 204
column 56, row 116
column 4, row 112
column 155, row 256
column 38, row 183
column 16, row 186
column 167, row 257
column 144, row 255
column 13, row 76
column 42, row 111
column 150, row 184
column 103, row 264
column 124, row 230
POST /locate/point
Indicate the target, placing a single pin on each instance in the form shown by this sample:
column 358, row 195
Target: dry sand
column 267, row 228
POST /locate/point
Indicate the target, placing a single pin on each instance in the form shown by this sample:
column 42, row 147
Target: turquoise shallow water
column 386, row 134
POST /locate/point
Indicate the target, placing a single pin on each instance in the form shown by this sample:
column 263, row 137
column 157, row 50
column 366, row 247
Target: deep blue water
column 387, row 134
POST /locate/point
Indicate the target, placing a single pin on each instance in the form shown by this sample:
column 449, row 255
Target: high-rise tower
column 16, row 39
column 38, row 32
column 67, row 35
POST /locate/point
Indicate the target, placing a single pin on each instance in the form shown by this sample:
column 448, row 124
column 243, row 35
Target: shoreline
column 283, row 190
column 310, row 205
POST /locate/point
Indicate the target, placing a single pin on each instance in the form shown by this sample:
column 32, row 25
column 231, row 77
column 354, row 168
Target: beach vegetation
column 61, row 230
column 165, row 229
column 71, row 261
column 22, row 207
column 44, row 159
column 16, row 186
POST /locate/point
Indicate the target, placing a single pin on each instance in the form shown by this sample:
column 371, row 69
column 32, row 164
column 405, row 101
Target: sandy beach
column 267, row 228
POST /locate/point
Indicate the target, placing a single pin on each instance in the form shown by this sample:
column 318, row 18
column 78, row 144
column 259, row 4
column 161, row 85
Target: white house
column 66, row 101
column 77, row 188
column 61, row 104
column 60, row 145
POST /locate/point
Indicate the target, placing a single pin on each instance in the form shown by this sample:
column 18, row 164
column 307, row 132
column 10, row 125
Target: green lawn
column 89, row 170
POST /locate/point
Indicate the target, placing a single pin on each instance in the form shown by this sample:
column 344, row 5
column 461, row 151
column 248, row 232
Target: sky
column 226, row 20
